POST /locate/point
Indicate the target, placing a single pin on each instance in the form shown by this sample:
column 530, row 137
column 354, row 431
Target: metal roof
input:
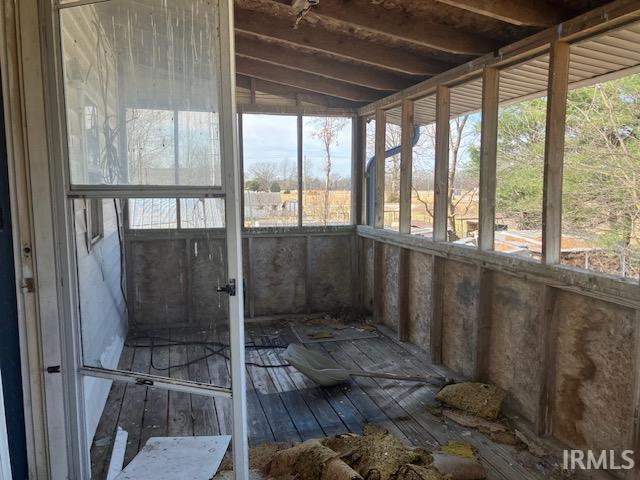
column 602, row 58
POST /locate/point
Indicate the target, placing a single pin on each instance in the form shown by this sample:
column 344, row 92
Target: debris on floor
column 534, row 447
column 458, row 468
column 459, row 449
column 480, row 399
column 259, row 456
column 375, row 455
column 320, row 334
column 496, row 430
column 168, row 458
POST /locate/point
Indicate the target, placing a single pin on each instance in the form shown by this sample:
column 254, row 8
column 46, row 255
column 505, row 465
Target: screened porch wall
column 172, row 276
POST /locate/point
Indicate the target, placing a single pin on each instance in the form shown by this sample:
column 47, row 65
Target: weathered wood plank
column 441, row 175
column 406, row 165
column 258, row 424
column 302, row 416
column 548, row 343
column 337, row 44
column 203, row 410
column 379, row 170
column 109, row 419
column 316, row 397
column 359, row 126
column 156, row 407
column 220, row 375
column 373, row 405
column 400, row 26
column 303, row 80
column 347, row 412
column 516, row 12
column 378, row 282
column 361, row 75
column 274, row 409
column 404, row 294
column 133, row 403
column 437, row 309
column 554, row 151
column 488, row 154
column 179, row 417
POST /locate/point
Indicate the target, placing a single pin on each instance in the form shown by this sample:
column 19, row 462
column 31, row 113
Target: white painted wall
column 102, row 308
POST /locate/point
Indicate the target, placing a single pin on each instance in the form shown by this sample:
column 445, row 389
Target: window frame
column 300, row 113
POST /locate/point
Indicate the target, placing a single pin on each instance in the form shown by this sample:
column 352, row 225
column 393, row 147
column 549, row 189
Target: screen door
column 151, row 186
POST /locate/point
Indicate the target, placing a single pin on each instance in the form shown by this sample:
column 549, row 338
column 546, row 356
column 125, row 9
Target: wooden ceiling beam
column 398, row 25
column 516, row 12
column 334, row 69
column 285, row 91
column 303, row 81
column 336, row 44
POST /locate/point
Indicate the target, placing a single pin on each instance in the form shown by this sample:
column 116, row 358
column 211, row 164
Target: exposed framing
column 554, row 152
column 557, row 40
column 441, row 175
column 379, row 168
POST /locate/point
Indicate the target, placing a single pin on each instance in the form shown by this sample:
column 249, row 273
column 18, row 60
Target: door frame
column 49, row 324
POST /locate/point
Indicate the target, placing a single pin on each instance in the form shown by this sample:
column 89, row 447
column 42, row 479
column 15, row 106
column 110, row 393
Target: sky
column 273, row 138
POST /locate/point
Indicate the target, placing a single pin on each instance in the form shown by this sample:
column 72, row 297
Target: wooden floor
column 285, row 406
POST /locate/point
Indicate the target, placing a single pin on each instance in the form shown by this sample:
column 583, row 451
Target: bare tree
column 264, row 174
column 327, row 131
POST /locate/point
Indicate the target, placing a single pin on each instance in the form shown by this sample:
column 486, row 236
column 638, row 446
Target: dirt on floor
column 259, row 456
column 375, row 455
column 480, row 399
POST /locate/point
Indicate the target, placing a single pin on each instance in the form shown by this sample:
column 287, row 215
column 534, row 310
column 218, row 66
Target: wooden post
column 441, row 182
column 406, row 165
column 300, row 170
column 404, row 295
column 381, row 137
column 483, row 325
column 378, row 284
column 554, row 152
column 548, row 349
column 307, row 273
column 488, row 153
column 437, row 309
column 634, row 435
column 359, row 136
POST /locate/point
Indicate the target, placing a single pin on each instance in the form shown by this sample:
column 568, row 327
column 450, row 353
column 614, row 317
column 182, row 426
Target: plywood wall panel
column 594, row 376
column 460, row 311
column 330, row 272
column 515, row 356
column 208, row 265
column 390, row 278
column 279, row 265
column 159, row 279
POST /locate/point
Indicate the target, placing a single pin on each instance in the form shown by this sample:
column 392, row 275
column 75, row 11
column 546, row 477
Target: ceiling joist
column 270, row 88
column 304, row 81
column 397, row 25
column 334, row 69
column 336, row 44
column 516, row 12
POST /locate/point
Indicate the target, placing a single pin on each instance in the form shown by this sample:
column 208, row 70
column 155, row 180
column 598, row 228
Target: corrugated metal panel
column 608, row 56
